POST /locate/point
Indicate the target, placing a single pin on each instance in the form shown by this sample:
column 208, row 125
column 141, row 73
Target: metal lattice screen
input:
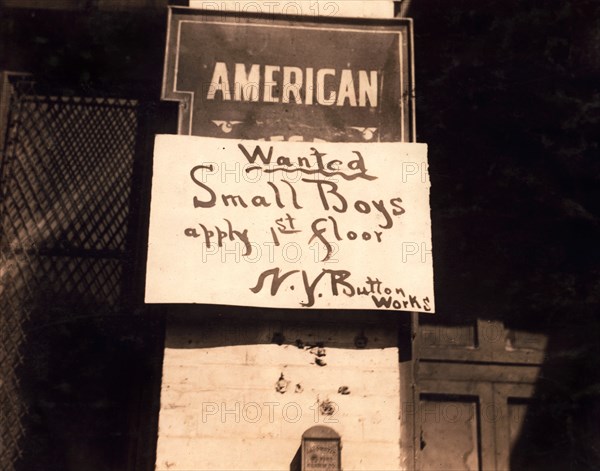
column 65, row 189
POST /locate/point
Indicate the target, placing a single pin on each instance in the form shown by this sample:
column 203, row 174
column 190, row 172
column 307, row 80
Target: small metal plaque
column 321, row 455
column 321, row 450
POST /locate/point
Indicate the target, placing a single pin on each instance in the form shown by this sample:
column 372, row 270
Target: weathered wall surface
column 220, row 404
column 220, row 408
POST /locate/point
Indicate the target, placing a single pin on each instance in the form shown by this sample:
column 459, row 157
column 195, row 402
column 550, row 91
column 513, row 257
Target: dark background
column 508, row 99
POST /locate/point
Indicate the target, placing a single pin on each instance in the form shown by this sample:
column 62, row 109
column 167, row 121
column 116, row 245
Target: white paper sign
column 290, row 224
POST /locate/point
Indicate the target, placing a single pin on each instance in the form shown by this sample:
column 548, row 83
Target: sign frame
column 187, row 102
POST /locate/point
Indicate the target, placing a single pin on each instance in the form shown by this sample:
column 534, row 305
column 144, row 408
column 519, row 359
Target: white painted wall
column 220, row 409
column 337, row 8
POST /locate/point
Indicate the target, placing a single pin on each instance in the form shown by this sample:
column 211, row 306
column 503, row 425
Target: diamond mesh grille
column 66, row 175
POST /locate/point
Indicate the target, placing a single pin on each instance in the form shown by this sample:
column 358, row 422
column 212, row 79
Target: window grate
column 65, row 195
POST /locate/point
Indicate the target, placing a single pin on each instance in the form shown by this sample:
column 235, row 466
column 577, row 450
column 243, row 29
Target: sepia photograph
column 303, row 235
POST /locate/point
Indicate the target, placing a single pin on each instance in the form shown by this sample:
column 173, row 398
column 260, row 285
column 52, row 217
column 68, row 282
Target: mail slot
column 321, row 449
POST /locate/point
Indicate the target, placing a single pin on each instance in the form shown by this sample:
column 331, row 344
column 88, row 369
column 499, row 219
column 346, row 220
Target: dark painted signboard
column 285, row 78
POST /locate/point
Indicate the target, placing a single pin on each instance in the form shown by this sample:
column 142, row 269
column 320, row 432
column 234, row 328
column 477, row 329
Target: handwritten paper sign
column 290, row 224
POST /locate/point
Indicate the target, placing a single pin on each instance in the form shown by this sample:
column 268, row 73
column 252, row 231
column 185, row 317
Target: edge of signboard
column 342, row 20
